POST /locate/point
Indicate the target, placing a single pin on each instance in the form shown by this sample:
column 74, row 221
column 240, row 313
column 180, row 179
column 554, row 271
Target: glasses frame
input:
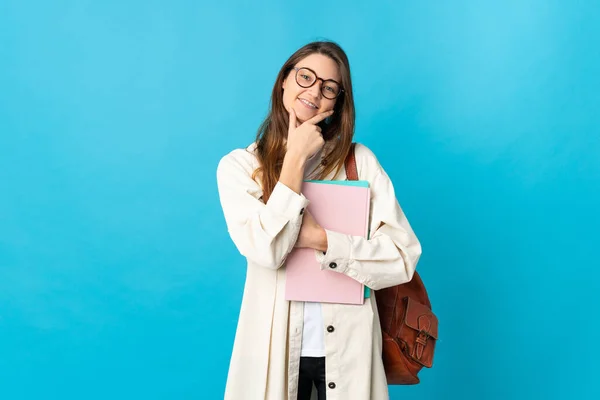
column 297, row 69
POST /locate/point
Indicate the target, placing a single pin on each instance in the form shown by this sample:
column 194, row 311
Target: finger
column 307, row 215
column 320, row 117
column 293, row 121
column 318, row 128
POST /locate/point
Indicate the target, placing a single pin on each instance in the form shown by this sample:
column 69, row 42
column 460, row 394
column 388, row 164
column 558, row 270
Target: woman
column 282, row 349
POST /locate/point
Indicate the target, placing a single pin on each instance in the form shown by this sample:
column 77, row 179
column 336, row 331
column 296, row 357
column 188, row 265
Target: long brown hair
column 273, row 131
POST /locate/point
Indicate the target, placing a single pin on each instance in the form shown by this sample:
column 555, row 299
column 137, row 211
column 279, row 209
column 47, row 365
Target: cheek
column 327, row 105
column 292, row 90
column 287, row 96
column 290, row 94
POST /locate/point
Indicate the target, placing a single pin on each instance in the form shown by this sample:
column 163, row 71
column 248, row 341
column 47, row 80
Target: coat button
column 330, row 329
column 332, row 265
column 302, row 211
column 331, row 385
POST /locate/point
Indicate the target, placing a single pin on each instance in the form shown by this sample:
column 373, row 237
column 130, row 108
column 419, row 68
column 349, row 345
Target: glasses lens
column 305, row 77
column 330, row 89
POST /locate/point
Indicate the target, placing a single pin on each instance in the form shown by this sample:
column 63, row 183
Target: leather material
column 408, row 326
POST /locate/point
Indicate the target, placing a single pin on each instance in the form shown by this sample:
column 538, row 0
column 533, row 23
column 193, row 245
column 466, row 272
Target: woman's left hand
column 311, row 234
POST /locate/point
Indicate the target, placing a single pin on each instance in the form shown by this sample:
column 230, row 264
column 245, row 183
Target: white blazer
column 266, row 352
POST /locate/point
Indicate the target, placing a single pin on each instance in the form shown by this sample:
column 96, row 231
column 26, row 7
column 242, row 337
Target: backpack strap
column 350, row 164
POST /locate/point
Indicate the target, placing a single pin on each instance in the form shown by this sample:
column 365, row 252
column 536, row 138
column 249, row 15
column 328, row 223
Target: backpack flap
column 423, row 333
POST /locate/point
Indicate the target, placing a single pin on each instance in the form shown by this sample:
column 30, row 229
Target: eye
column 305, row 77
column 330, row 89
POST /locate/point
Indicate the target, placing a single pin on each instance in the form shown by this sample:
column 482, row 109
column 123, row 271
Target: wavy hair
column 273, row 131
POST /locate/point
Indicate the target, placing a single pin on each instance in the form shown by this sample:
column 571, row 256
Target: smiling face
column 308, row 102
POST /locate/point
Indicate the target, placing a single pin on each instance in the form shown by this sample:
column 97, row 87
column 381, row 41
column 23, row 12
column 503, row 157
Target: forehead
column 324, row 66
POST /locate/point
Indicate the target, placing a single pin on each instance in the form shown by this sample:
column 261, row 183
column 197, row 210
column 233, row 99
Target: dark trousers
column 312, row 370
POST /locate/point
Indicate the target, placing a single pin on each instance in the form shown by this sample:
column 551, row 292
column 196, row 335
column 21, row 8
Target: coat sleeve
column 391, row 254
column 264, row 233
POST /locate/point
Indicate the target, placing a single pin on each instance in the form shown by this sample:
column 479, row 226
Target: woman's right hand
column 305, row 139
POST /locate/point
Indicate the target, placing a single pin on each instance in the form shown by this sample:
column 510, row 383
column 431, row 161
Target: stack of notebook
column 339, row 206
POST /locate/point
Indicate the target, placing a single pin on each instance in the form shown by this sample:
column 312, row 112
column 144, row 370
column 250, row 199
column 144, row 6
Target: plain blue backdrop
column 117, row 276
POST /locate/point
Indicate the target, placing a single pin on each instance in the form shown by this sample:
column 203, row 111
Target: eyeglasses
column 306, row 77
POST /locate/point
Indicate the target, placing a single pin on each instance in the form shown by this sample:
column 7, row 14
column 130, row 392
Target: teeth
column 308, row 103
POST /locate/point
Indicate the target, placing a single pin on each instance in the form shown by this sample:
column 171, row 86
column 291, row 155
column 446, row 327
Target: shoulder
column 234, row 174
column 240, row 160
column 235, row 170
column 366, row 161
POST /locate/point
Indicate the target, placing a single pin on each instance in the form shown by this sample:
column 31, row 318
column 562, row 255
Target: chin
column 304, row 115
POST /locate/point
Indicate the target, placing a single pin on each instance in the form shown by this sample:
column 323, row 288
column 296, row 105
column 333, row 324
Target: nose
column 315, row 89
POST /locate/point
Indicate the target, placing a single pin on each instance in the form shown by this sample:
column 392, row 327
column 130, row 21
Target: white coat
column 266, row 352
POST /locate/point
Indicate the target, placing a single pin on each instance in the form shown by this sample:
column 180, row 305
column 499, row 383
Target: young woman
column 282, row 349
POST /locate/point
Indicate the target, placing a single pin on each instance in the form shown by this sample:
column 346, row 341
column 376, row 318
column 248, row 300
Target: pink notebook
column 339, row 208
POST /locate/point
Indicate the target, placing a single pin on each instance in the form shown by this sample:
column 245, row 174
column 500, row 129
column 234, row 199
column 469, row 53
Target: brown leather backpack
column 408, row 326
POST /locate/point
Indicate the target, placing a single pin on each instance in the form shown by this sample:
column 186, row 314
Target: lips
column 308, row 103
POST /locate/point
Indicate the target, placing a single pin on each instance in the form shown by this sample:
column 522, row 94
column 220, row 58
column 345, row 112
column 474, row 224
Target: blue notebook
column 350, row 183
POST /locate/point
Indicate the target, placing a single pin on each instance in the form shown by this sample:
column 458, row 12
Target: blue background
column 117, row 276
